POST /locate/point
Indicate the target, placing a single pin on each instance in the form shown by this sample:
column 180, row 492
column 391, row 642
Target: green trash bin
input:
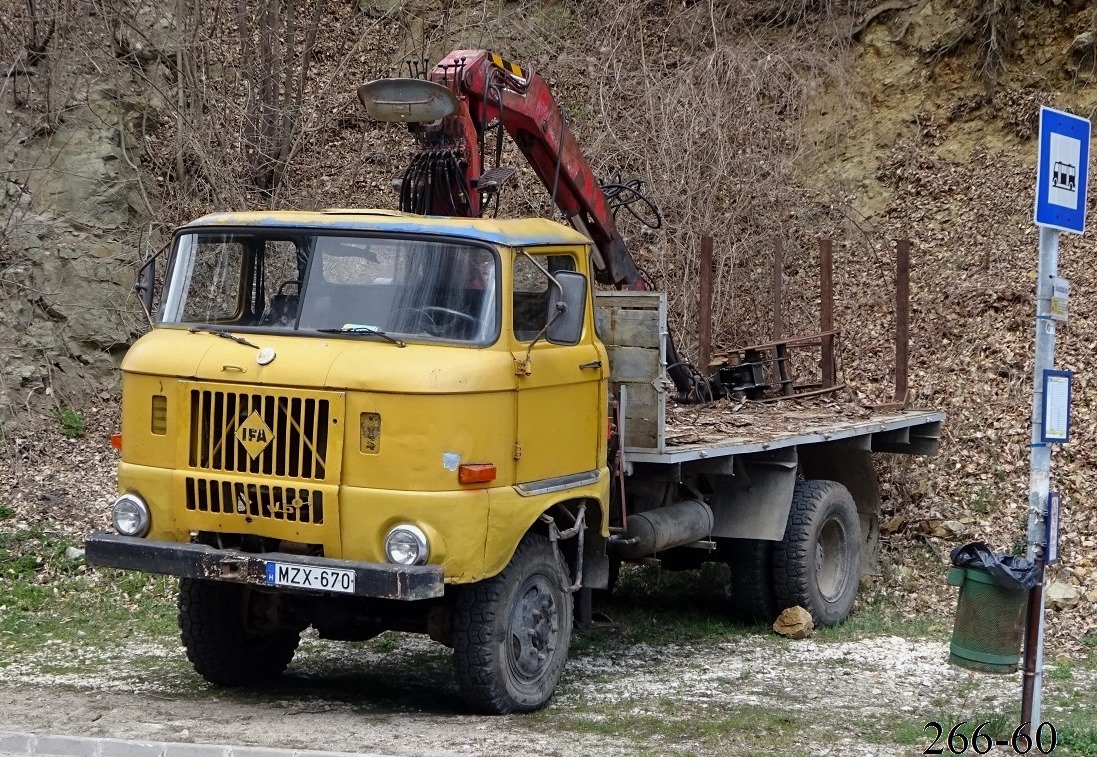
column 990, row 622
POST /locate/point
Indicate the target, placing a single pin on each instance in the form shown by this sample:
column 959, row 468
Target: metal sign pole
column 1039, row 475
column 1062, row 179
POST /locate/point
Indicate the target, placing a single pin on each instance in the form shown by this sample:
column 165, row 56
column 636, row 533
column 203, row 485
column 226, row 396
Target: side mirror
column 146, row 282
column 567, row 307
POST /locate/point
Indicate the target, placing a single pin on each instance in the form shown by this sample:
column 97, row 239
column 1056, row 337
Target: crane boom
column 466, row 95
column 494, row 90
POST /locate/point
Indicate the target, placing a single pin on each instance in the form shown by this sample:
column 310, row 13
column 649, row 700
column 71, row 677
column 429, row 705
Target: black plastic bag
column 1010, row 571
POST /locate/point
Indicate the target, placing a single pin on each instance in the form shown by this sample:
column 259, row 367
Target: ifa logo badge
column 254, row 434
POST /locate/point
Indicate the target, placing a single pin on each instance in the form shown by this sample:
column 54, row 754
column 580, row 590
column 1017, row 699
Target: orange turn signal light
column 476, row 473
column 116, row 441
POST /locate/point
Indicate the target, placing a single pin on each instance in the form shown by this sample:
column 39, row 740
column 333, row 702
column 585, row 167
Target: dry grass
column 712, row 123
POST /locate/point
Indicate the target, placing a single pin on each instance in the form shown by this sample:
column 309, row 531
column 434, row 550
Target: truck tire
column 219, row 643
column 513, row 632
column 751, row 565
column 817, row 564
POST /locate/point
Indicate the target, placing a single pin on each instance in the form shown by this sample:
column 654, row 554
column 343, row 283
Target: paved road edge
column 25, row 744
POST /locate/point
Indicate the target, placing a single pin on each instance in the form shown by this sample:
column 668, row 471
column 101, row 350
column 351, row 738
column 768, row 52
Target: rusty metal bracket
column 578, row 529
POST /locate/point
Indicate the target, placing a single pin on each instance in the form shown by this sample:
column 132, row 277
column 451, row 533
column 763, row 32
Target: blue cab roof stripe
column 512, row 232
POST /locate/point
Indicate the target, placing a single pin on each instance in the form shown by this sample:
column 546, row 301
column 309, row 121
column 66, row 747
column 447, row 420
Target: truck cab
column 337, row 413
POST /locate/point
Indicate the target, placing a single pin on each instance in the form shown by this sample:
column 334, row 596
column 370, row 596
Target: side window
column 283, row 269
column 531, row 292
column 282, row 263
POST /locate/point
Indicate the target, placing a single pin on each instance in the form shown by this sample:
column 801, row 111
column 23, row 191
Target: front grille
column 256, row 500
column 260, row 433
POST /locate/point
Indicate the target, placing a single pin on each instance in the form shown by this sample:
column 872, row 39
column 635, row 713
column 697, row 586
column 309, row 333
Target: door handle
column 591, row 364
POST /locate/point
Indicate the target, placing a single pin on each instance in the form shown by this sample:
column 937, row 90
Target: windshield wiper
column 222, row 334
column 359, row 328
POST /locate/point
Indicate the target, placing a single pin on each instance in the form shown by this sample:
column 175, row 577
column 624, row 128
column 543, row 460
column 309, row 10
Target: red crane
column 464, row 97
column 448, row 177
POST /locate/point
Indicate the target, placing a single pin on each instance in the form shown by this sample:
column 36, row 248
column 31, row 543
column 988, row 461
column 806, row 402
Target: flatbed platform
column 657, row 429
column 723, row 428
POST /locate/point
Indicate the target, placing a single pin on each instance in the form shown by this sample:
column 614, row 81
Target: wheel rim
column 832, row 560
column 534, row 629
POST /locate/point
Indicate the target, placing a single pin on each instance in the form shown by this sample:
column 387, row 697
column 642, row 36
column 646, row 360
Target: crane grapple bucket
column 407, row 100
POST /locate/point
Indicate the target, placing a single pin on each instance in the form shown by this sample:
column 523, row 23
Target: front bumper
column 407, row 582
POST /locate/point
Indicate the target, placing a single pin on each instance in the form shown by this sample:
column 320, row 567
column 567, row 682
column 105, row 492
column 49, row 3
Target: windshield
column 411, row 288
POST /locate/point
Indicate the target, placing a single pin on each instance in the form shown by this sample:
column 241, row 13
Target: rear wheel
column 751, row 564
column 219, row 624
column 817, row 565
column 513, row 632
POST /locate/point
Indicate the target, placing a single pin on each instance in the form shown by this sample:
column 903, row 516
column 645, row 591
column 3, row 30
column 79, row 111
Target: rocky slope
column 930, row 154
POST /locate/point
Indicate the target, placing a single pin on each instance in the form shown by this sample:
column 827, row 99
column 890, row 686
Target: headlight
column 406, row 545
column 131, row 515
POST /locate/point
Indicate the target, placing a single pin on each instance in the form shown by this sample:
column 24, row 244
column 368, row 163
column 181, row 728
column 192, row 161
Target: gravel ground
column 395, row 696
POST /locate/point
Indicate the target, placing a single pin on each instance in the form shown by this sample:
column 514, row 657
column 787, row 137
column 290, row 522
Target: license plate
column 310, row 577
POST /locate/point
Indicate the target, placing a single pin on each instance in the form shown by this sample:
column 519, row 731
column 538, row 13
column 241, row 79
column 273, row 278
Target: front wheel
column 513, row 632
column 222, row 638
column 818, row 563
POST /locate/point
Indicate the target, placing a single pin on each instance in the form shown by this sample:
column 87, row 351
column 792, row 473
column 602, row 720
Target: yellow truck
column 373, row 420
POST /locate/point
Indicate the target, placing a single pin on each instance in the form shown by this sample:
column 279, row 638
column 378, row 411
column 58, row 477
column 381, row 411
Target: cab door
column 561, row 390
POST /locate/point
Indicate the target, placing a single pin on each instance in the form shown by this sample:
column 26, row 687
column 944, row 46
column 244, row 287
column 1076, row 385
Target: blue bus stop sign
column 1061, row 174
